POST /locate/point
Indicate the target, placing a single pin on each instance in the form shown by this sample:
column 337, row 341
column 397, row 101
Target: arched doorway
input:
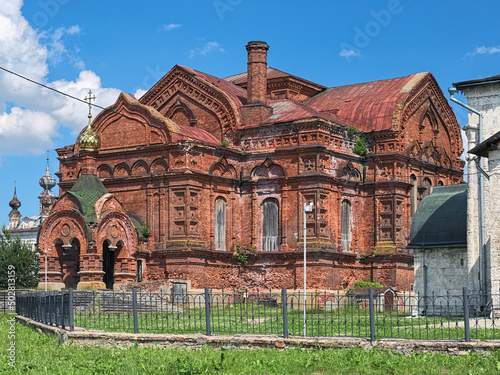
column 108, row 264
column 70, row 263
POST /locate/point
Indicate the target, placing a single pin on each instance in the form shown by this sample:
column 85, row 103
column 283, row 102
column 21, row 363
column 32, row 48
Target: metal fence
column 373, row 314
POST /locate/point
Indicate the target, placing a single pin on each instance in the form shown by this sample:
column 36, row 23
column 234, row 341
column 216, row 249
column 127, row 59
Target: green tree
column 13, row 252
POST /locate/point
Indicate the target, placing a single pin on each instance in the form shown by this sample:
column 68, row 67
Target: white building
column 441, row 268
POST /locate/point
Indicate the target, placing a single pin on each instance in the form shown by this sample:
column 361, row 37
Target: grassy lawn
column 260, row 319
column 39, row 354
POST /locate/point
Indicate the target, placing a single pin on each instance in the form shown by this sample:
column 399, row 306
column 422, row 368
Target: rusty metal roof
column 238, row 94
column 272, row 73
column 288, row 110
column 194, row 133
column 367, row 106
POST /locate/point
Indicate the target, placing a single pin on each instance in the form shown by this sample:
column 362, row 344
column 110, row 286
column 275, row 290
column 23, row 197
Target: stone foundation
column 83, row 338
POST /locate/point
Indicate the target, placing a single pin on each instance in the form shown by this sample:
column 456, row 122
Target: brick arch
column 159, row 166
column 64, row 226
column 121, row 170
column 117, row 230
column 268, row 169
column 223, row 168
column 139, row 125
column 115, row 227
column 140, row 168
column 180, row 107
column 65, row 233
column 104, row 171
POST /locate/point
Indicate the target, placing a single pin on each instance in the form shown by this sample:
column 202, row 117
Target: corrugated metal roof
column 441, row 219
column 367, row 106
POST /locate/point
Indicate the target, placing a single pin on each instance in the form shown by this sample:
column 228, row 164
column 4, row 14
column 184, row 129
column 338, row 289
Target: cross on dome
column 89, row 99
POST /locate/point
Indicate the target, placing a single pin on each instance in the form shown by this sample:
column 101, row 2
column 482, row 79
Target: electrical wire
column 48, row 87
column 83, row 101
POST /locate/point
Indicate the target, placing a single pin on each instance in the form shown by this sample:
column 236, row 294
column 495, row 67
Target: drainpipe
column 482, row 247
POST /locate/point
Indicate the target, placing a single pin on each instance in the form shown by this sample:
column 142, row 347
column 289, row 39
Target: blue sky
column 113, row 46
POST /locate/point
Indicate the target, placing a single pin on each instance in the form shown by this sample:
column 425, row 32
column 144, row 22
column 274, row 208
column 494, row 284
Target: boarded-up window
column 413, row 195
column 270, row 225
column 220, row 223
column 345, row 218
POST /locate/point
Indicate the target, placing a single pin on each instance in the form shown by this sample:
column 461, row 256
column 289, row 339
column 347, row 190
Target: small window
column 139, row 271
column 220, row 224
column 270, row 225
column 427, row 184
column 413, row 195
column 345, row 221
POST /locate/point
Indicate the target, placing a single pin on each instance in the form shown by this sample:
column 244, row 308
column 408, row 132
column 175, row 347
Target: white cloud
column 170, row 26
column 56, row 46
column 17, row 128
column 348, row 53
column 30, row 116
column 75, row 29
column 206, row 49
column 139, row 93
column 483, row 50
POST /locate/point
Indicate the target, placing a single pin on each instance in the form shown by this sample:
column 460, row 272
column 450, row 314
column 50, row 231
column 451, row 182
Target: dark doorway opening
column 108, row 265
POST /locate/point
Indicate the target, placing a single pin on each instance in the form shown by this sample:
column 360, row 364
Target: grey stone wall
column 440, row 270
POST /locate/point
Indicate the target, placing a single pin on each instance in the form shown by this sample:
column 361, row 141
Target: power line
column 83, row 101
column 48, row 87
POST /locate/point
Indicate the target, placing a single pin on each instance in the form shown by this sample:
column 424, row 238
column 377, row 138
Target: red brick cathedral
column 204, row 180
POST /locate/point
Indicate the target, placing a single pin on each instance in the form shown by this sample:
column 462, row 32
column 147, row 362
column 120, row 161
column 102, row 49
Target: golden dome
column 88, row 140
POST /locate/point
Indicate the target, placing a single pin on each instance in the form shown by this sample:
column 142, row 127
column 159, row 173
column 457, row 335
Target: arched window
column 413, row 195
column 345, row 222
column 427, row 184
column 220, row 224
column 270, row 225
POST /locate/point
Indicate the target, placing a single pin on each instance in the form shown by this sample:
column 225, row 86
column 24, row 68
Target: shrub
column 366, row 284
column 241, row 252
column 360, row 146
column 145, row 232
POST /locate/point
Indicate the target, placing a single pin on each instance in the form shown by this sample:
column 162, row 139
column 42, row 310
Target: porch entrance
column 108, row 264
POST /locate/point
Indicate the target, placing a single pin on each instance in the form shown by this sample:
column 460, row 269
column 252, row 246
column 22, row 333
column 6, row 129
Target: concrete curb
column 82, row 338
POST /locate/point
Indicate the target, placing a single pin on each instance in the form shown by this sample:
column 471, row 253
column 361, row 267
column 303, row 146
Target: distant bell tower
column 15, row 215
column 47, row 196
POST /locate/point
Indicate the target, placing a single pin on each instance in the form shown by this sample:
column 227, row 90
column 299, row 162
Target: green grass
column 37, row 353
column 350, row 321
